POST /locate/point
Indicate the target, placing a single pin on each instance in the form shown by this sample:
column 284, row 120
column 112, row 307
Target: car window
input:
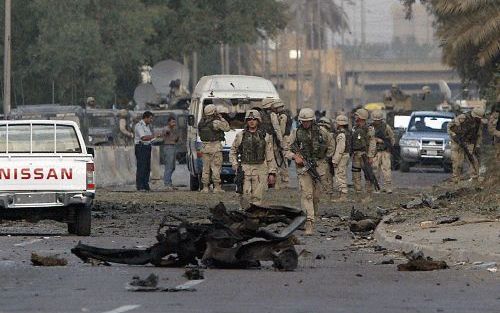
column 19, row 138
column 43, row 138
column 67, row 140
column 429, row 124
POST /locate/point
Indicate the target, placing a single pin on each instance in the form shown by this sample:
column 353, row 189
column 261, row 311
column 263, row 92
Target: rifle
column 310, row 168
column 463, row 146
column 240, row 176
column 331, row 168
column 368, row 172
column 387, row 142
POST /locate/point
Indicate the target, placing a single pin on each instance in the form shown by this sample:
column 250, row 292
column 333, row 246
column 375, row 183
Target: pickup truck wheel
column 404, row 166
column 82, row 223
column 194, row 183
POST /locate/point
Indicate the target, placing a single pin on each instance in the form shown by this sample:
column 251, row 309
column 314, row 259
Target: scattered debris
column 390, row 261
column 50, row 260
column 150, row 283
column 481, row 265
column 428, row 224
column 449, row 239
column 320, row 257
column 418, row 262
column 359, row 275
column 378, row 248
column 381, row 211
column 447, row 219
column 398, row 237
column 193, row 274
column 232, row 239
column 362, row 225
column 492, row 269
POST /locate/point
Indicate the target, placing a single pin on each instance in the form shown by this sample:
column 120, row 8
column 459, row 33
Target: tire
column 82, row 224
column 404, row 166
column 194, row 183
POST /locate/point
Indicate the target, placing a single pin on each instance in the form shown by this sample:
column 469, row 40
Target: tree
column 469, row 31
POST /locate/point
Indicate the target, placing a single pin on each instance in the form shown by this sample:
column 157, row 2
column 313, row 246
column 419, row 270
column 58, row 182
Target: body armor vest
column 381, row 132
column 266, row 124
column 310, row 143
column 359, row 139
column 253, row 147
column 468, row 129
column 207, row 131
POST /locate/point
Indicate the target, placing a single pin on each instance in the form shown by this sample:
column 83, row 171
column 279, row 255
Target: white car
column 46, row 172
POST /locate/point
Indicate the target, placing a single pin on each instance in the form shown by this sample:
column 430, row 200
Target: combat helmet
column 277, row 104
column 362, row 114
column 268, row 103
column 342, row 120
column 221, row 109
column 306, row 114
column 250, row 114
column 478, row 112
column 377, row 115
column 210, row 110
column 325, row 122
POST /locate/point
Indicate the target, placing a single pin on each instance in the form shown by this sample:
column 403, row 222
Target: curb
column 387, row 240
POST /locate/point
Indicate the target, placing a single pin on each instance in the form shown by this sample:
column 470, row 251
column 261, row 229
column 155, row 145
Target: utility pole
column 320, row 47
column 362, row 50
column 221, row 54
column 7, row 60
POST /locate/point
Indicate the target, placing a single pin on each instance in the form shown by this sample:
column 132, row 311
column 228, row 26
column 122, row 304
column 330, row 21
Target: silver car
column 426, row 140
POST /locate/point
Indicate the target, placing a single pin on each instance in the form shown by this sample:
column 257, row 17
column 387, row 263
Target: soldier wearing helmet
column 90, row 103
column 325, row 124
column 494, row 128
column 362, row 143
column 341, row 156
column 384, row 138
column 310, row 142
column 281, row 122
column 125, row 135
column 466, row 128
column 253, row 148
column 211, row 130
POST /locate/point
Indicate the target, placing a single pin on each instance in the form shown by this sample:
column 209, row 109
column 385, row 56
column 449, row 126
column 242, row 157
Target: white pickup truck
column 46, row 172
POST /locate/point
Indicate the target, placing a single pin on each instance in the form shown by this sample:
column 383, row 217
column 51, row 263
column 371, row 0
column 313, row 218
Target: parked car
column 235, row 94
column 426, row 140
column 46, row 173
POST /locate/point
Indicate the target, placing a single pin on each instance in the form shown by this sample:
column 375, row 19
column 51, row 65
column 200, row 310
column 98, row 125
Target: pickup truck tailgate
column 56, row 173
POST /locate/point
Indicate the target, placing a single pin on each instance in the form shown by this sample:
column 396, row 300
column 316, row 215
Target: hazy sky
column 378, row 19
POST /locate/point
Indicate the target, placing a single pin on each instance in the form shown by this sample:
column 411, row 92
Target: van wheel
column 404, row 166
column 194, row 183
column 82, row 224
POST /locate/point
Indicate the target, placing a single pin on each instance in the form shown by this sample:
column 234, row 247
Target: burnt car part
column 232, row 239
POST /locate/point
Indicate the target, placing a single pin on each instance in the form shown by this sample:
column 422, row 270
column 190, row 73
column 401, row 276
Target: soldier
column 90, row 103
column 494, row 129
column 254, row 147
column 211, row 129
column 281, row 123
column 341, row 156
column 315, row 145
column 125, row 135
column 362, row 143
column 325, row 124
column 466, row 128
column 384, row 138
column 270, row 123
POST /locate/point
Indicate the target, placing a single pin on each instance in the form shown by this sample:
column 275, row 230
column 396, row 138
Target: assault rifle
column 240, row 176
column 310, row 168
column 463, row 146
column 331, row 168
column 368, row 172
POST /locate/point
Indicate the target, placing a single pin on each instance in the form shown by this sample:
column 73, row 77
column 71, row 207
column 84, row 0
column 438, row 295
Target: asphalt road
column 348, row 279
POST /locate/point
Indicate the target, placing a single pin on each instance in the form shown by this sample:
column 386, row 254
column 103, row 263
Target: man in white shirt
column 143, row 135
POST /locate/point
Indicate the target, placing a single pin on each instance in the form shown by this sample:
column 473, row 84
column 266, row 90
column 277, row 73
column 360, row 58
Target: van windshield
column 233, row 110
column 429, row 124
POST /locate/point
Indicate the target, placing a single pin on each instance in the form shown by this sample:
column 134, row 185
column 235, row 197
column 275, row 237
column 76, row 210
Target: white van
column 236, row 93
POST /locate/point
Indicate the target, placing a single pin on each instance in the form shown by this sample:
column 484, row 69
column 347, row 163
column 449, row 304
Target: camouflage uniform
column 468, row 128
column 211, row 129
column 315, row 145
column 341, row 156
column 125, row 135
column 494, row 130
column 382, row 161
column 257, row 160
column 362, row 142
column 327, row 182
column 271, row 124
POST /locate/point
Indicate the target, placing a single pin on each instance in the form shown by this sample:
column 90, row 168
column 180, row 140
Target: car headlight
column 409, row 142
column 90, row 138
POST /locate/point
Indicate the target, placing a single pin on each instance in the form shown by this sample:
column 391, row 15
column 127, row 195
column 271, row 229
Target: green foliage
column 95, row 47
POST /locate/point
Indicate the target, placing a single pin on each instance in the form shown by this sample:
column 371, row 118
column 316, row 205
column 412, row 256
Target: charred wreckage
column 231, row 239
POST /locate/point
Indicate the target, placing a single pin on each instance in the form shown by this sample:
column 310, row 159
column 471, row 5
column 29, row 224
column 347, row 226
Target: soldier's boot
column 218, row 189
column 205, row 190
column 309, row 228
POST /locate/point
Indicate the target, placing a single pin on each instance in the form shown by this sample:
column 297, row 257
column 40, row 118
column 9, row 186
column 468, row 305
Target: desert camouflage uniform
column 257, row 161
column 382, row 160
column 494, row 130
column 363, row 142
column 341, row 159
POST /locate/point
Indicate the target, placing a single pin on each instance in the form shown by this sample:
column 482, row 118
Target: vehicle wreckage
column 231, row 239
